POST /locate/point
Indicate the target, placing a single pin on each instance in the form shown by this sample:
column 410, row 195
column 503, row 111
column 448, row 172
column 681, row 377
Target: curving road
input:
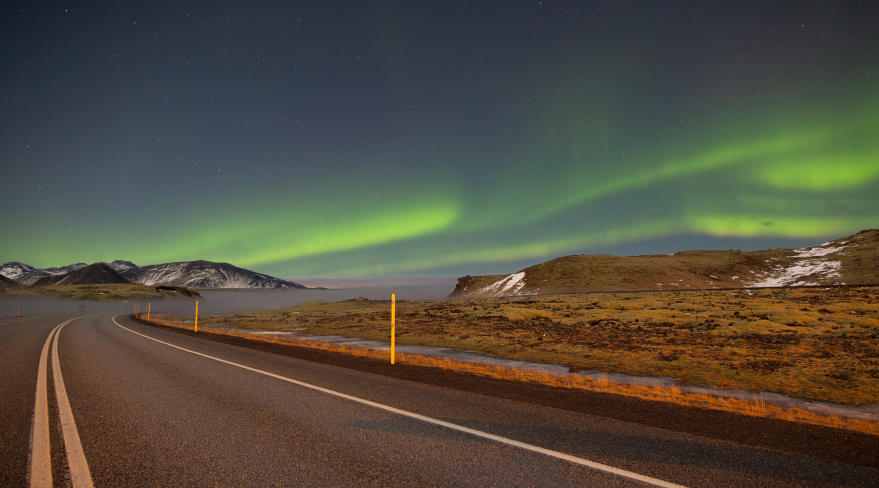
column 154, row 407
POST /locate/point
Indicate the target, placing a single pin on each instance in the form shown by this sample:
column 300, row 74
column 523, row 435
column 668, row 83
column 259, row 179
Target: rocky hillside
column 28, row 275
column 188, row 274
column 6, row 283
column 93, row 274
column 203, row 274
column 18, row 272
column 120, row 266
column 850, row 260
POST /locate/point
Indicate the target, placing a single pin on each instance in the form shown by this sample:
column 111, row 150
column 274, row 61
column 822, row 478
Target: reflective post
column 393, row 325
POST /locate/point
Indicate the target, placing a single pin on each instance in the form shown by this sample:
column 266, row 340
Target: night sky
column 432, row 138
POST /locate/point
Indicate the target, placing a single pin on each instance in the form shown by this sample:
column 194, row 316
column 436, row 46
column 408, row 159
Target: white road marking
column 41, row 461
column 431, row 420
column 17, row 320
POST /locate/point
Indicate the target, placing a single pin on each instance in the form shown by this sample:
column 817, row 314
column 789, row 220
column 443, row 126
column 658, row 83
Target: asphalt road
column 152, row 414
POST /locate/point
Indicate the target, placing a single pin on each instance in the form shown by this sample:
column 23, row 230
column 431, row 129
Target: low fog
column 216, row 301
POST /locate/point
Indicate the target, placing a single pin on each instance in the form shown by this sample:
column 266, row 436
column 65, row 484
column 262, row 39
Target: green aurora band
column 807, row 172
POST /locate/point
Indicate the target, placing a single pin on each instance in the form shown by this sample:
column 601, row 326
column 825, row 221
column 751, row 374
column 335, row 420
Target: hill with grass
column 846, row 261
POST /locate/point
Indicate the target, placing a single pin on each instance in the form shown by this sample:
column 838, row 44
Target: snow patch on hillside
column 199, row 278
column 511, row 285
column 808, row 267
column 14, row 271
column 120, row 266
column 802, row 274
column 818, row 251
column 203, row 274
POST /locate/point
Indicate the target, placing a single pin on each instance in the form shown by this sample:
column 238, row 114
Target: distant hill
column 28, row 275
column 120, row 266
column 6, row 283
column 850, row 260
column 22, row 273
column 187, row 274
column 66, row 269
column 16, row 271
column 93, row 274
column 204, row 274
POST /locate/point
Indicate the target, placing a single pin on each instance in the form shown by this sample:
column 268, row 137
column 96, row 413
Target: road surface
column 154, row 407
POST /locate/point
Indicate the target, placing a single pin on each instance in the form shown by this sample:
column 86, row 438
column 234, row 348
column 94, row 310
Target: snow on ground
column 822, row 250
column 807, row 268
column 806, row 272
column 12, row 272
column 511, row 285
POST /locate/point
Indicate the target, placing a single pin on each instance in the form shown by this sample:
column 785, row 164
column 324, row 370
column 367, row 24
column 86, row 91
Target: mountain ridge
column 185, row 274
column 28, row 275
column 92, row 274
column 204, row 274
column 6, row 283
column 848, row 260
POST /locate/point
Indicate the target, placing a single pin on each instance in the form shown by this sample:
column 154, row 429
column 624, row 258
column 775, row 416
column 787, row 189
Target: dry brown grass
column 688, row 270
column 102, row 292
column 783, row 340
column 814, row 344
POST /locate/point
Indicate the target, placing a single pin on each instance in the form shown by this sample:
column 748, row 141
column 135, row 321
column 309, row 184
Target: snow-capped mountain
column 203, row 274
column 66, row 269
column 28, row 275
column 120, row 266
column 188, row 274
column 94, row 274
column 17, row 271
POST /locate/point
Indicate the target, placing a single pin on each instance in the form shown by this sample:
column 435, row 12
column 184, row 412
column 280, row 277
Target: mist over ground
column 223, row 301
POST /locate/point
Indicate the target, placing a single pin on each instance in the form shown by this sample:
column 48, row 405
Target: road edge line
column 460, row 428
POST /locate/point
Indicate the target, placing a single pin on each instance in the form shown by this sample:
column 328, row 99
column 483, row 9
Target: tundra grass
column 102, row 292
column 808, row 343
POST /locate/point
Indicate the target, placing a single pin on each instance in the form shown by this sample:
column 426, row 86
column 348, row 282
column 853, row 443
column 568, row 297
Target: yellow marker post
column 196, row 316
column 149, row 305
column 393, row 325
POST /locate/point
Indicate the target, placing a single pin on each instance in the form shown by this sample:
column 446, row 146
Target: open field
column 808, row 343
column 105, row 292
column 817, row 344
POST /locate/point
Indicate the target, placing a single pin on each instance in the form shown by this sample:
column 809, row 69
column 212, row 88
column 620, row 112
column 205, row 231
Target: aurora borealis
column 359, row 139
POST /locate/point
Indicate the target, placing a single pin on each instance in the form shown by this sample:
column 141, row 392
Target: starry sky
column 350, row 139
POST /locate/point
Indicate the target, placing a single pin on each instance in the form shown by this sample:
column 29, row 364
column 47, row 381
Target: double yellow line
column 41, row 458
